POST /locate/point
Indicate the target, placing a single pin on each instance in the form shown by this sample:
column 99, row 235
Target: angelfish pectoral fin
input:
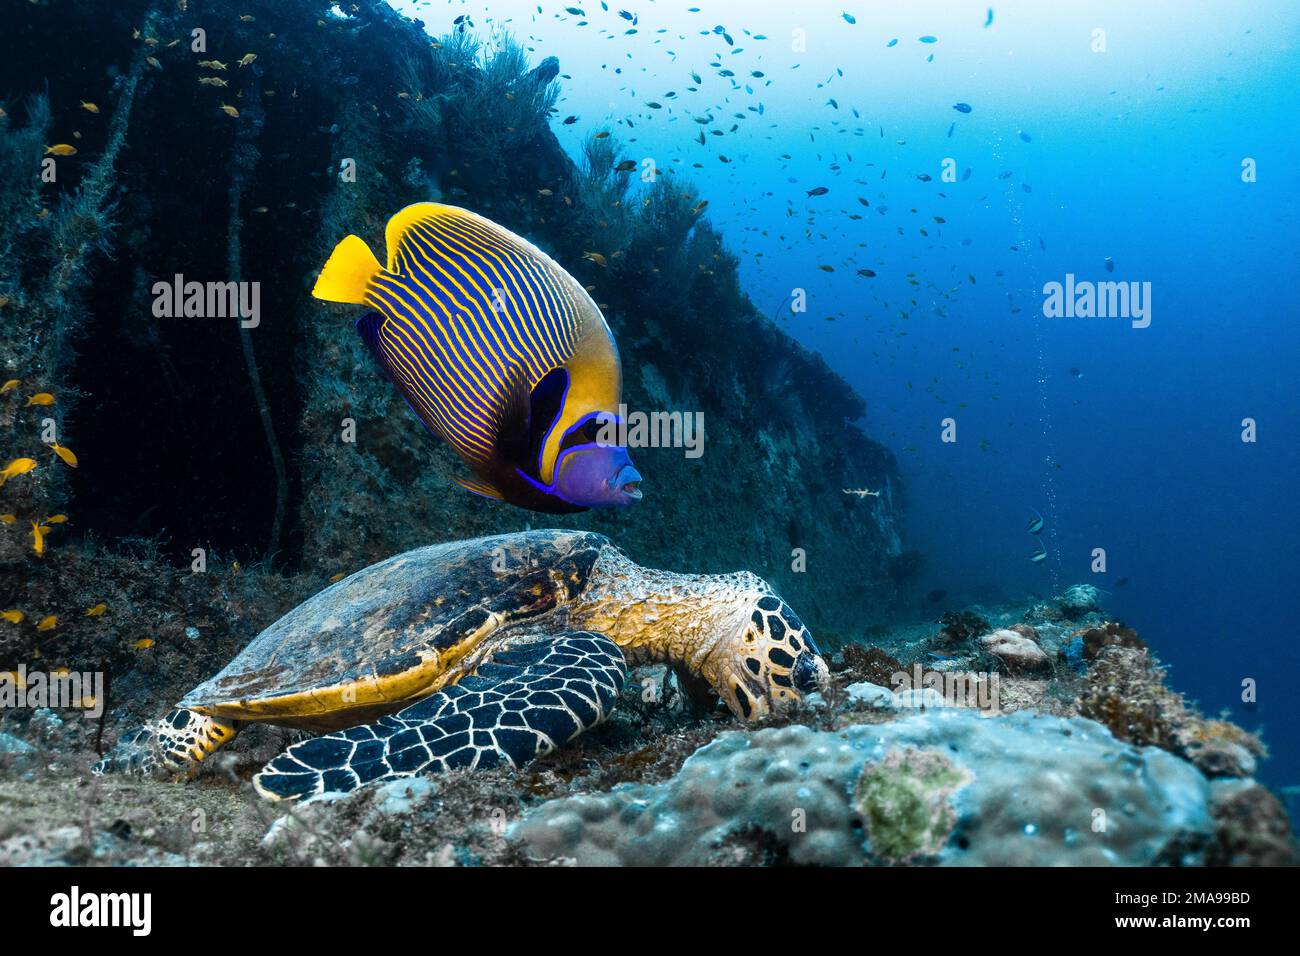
column 512, row 427
column 480, row 488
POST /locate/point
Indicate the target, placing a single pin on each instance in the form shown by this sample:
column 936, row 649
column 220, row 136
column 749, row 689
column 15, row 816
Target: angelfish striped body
column 497, row 349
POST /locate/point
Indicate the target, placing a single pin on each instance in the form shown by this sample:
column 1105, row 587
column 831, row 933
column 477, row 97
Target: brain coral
column 946, row 787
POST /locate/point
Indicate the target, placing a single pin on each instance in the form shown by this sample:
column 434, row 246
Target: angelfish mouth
column 628, row 481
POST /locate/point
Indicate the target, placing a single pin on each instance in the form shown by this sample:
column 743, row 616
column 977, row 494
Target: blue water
column 1126, row 439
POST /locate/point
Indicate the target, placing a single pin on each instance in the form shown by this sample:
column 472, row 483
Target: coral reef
column 959, row 626
column 226, row 473
column 1251, row 826
column 1019, row 652
column 1107, row 634
column 1078, row 600
column 1126, row 690
column 858, row 662
column 866, row 776
column 946, row 786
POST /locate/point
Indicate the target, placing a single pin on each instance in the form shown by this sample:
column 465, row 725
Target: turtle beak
column 809, row 673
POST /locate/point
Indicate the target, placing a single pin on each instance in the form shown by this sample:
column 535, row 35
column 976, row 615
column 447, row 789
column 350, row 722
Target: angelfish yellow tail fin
column 347, row 273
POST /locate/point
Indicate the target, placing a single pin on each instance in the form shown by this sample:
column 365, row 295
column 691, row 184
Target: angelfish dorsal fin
column 400, row 224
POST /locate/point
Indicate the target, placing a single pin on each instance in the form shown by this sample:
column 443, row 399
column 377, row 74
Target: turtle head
column 773, row 665
column 730, row 632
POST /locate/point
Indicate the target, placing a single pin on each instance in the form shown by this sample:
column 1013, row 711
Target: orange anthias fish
column 38, row 538
column 64, row 453
column 41, row 398
column 19, row 466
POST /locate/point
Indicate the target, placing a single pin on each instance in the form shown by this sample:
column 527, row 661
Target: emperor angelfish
column 498, row 350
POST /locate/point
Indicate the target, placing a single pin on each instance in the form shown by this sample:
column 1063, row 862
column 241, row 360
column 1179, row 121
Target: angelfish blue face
column 590, row 470
column 597, row 476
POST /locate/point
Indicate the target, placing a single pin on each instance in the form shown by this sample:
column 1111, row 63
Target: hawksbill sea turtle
column 476, row 654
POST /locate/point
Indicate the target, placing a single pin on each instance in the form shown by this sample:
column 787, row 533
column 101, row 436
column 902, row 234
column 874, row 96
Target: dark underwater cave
column 167, row 425
column 168, row 400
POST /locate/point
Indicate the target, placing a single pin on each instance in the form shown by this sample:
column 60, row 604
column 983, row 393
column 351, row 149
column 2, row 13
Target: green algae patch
column 906, row 803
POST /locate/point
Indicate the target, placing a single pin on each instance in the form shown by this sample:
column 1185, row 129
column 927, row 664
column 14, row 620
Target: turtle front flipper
column 529, row 698
column 172, row 746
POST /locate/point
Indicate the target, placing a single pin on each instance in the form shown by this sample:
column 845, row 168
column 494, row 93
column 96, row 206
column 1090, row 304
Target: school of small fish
column 853, row 141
